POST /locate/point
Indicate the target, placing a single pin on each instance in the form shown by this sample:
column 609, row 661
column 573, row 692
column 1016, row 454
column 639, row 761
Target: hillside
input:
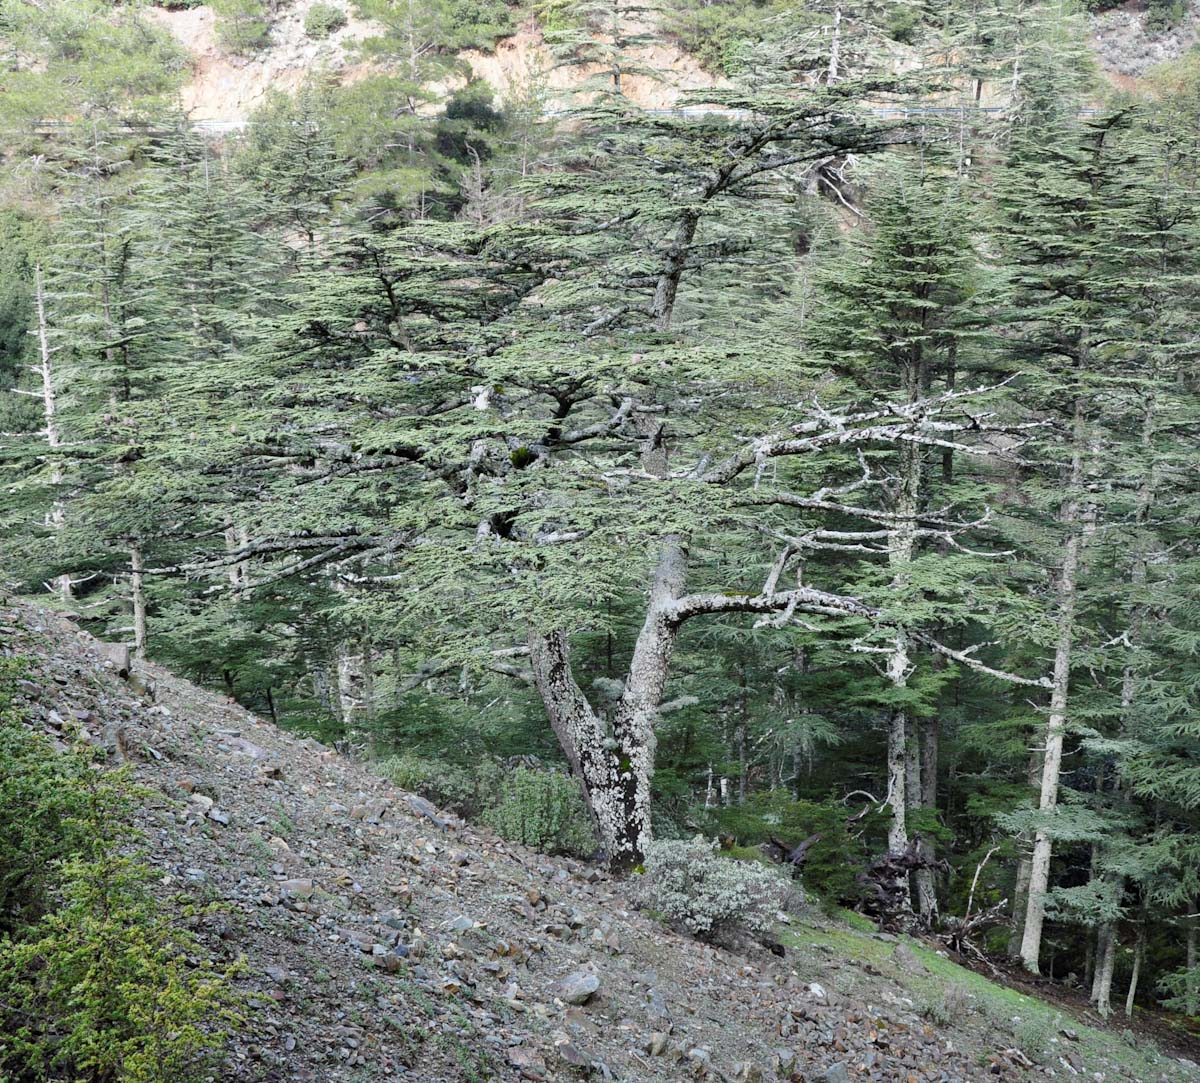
column 223, row 88
column 385, row 941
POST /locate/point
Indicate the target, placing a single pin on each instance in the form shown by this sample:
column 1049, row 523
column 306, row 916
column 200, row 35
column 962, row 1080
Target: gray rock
column 836, row 1073
column 297, row 889
column 217, row 816
column 577, row 988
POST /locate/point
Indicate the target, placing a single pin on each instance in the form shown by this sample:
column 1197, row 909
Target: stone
column 527, row 1061
column 577, row 988
column 572, row 1055
column 201, row 801
column 747, row 1071
column 297, row 889
column 817, row 991
column 460, row 923
column 217, row 816
column 656, row 1046
column 836, row 1073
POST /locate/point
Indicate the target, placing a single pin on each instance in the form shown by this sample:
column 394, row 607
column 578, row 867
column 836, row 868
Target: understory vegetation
column 810, row 466
column 98, row 983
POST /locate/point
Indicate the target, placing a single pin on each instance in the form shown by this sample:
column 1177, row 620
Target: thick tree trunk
column 137, row 598
column 1106, row 952
column 615, row 762
column 1077, row 522
column 666, row 289
column 614, row 774
column 1192, row 997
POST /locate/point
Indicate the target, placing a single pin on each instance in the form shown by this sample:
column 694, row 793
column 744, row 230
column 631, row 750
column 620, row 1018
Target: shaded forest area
column 814, row 466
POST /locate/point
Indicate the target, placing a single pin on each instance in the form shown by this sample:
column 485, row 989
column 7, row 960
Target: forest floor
column 382, row 940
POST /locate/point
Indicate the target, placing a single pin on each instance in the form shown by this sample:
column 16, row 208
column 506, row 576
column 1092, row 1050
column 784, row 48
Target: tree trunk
column 1192, row 997
column 901, row 544
column 667, row 288
column 1139, row 952
column 615, row 776
column 137, row 597
column 1033, row 775
column 927, row 904
column 56, row 517
column 615, row 763
column 1106, row 953
column 1077, row 521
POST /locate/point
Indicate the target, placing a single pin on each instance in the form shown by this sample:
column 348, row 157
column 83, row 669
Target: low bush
column 323, row 19
column 542, row 809
column 445, row 784
column 710, row 896
column 97, row 983
column 830, row 871
column 101, row 988
column 243, row 26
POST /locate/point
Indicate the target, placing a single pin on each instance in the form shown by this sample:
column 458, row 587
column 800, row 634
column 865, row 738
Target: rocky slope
column 224, row 89
column 383, row 940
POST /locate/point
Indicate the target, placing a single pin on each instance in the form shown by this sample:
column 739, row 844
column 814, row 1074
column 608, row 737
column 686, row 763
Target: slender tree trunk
column 835, row 45
column 1192, row 998
column 1078, row 521
column 137, row 597
column 901, row 544
column 1139, row 953
column 56, row 518
column 1024, row 865
column 927, row 904
column 1107, row 957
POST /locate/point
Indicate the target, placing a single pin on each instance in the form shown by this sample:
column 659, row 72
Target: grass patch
column 993, row 1015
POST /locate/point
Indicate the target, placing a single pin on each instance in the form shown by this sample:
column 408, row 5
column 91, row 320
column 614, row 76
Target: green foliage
column 542, row 809
column 445, row 784
column 98, row 983
column 102, row 987
column 53, row 806
column 323, row 19
column 243, row 26
column 833, row 861
column 70, row 56
column 711, row 897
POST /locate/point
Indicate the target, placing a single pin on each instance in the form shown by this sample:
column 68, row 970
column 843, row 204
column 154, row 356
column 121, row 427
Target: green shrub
column 542, row 809
column 96, row 981
column 443, row 783
column 833, row 861
column 242, row 25
column 323, row 19
column 101, row 988
column 52, row 807
column 709, row 896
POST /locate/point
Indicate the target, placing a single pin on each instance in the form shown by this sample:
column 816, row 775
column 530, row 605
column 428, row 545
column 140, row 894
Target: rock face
column 225, row 89
column 1127, row 49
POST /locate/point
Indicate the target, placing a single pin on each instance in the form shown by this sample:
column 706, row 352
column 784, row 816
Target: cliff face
column 225, row 89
